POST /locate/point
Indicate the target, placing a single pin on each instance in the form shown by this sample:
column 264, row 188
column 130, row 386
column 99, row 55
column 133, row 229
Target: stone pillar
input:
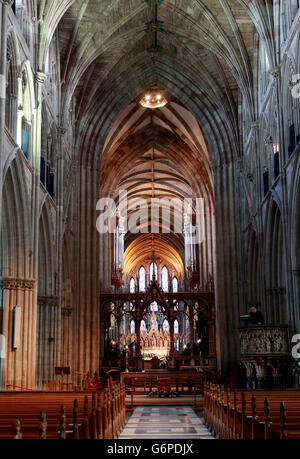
column 66, row 340
column 138, row 340
column 86, row 295
column 292, row 313
column 102, row 337
column 119, row 333
column 211, row 328
column 48, row 340
column 171, row 324
column 59, row 198
column 260, row 221
column 296, row 281
column 18, row 365
column 191, row 330
column 4, row 5
column 20, row 114
column 228, row 270
column 36, row 160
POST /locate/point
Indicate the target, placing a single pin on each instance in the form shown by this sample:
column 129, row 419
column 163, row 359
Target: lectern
column 62, row 371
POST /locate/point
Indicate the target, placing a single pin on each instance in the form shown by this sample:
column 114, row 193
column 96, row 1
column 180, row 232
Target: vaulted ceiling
column 205, row 64
column 206, row 57
column 140, row 251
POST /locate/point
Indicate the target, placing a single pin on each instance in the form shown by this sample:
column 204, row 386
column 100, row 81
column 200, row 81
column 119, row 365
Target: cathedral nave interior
column 150, row 216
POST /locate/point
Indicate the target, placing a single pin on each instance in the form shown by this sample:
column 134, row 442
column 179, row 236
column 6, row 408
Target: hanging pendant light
column 154, row 98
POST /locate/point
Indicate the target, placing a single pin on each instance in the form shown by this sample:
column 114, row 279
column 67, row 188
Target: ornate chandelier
column 153, row 98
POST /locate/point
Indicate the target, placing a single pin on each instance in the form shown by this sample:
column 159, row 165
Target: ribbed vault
column 157, row 156
column 140, row 251
column 207, row 51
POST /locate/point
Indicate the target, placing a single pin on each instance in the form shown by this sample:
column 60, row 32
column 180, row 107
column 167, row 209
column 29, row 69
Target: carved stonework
column 9, row 283
column 48, row 301
column 40, row 77
column 264, row 340
column 259, row 366
column 265, row 354
column 275, row 72
column 61, row 130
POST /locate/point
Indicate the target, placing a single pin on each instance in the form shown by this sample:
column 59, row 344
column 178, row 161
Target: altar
column 154, row 342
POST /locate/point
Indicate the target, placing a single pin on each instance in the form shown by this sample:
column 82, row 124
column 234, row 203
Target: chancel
column 149, row 219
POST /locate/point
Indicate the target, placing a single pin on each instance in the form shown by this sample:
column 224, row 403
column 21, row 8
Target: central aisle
column 162, row 422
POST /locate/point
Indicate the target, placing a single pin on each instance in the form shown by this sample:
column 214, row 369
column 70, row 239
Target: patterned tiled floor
column 165, row 422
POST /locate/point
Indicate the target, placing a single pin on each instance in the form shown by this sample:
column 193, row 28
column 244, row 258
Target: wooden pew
column 252, row 414
column 89, row 416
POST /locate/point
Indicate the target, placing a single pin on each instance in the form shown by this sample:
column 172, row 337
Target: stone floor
column 165, row 422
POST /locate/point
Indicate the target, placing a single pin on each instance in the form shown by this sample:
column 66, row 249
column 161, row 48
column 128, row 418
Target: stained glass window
column 132, row 327
column 142, row 279
column 132, row 285
column 153, row 267
column 165, row 279
column 166, row 326
column 176, row 327
column 175, row 285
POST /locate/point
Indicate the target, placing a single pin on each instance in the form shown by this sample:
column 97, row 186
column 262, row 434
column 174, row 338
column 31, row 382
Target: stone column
column 20, row 114
column 66, row 340
column 211, row 328
column 119, row 332
column 138, row 340
column 228, row 270
column 4, row 5
column 260, row 222
column 86, row 295
column 191, row 330
column 36, row 160
column 18, row 366
column 59, row 199
column 293, row 314
column 296, row 281
column 171, row 324
column 102, row 333
column 48, row 338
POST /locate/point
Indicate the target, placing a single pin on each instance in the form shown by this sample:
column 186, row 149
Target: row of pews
column 248, row 414
column 65, row 415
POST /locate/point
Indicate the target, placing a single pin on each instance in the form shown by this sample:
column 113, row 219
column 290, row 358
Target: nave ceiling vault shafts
column 206, row 35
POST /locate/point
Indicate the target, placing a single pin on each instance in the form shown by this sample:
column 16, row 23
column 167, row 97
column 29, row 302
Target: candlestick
column 127, row 363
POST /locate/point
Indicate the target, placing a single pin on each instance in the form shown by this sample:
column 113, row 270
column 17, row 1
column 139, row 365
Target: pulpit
column 264, row 351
